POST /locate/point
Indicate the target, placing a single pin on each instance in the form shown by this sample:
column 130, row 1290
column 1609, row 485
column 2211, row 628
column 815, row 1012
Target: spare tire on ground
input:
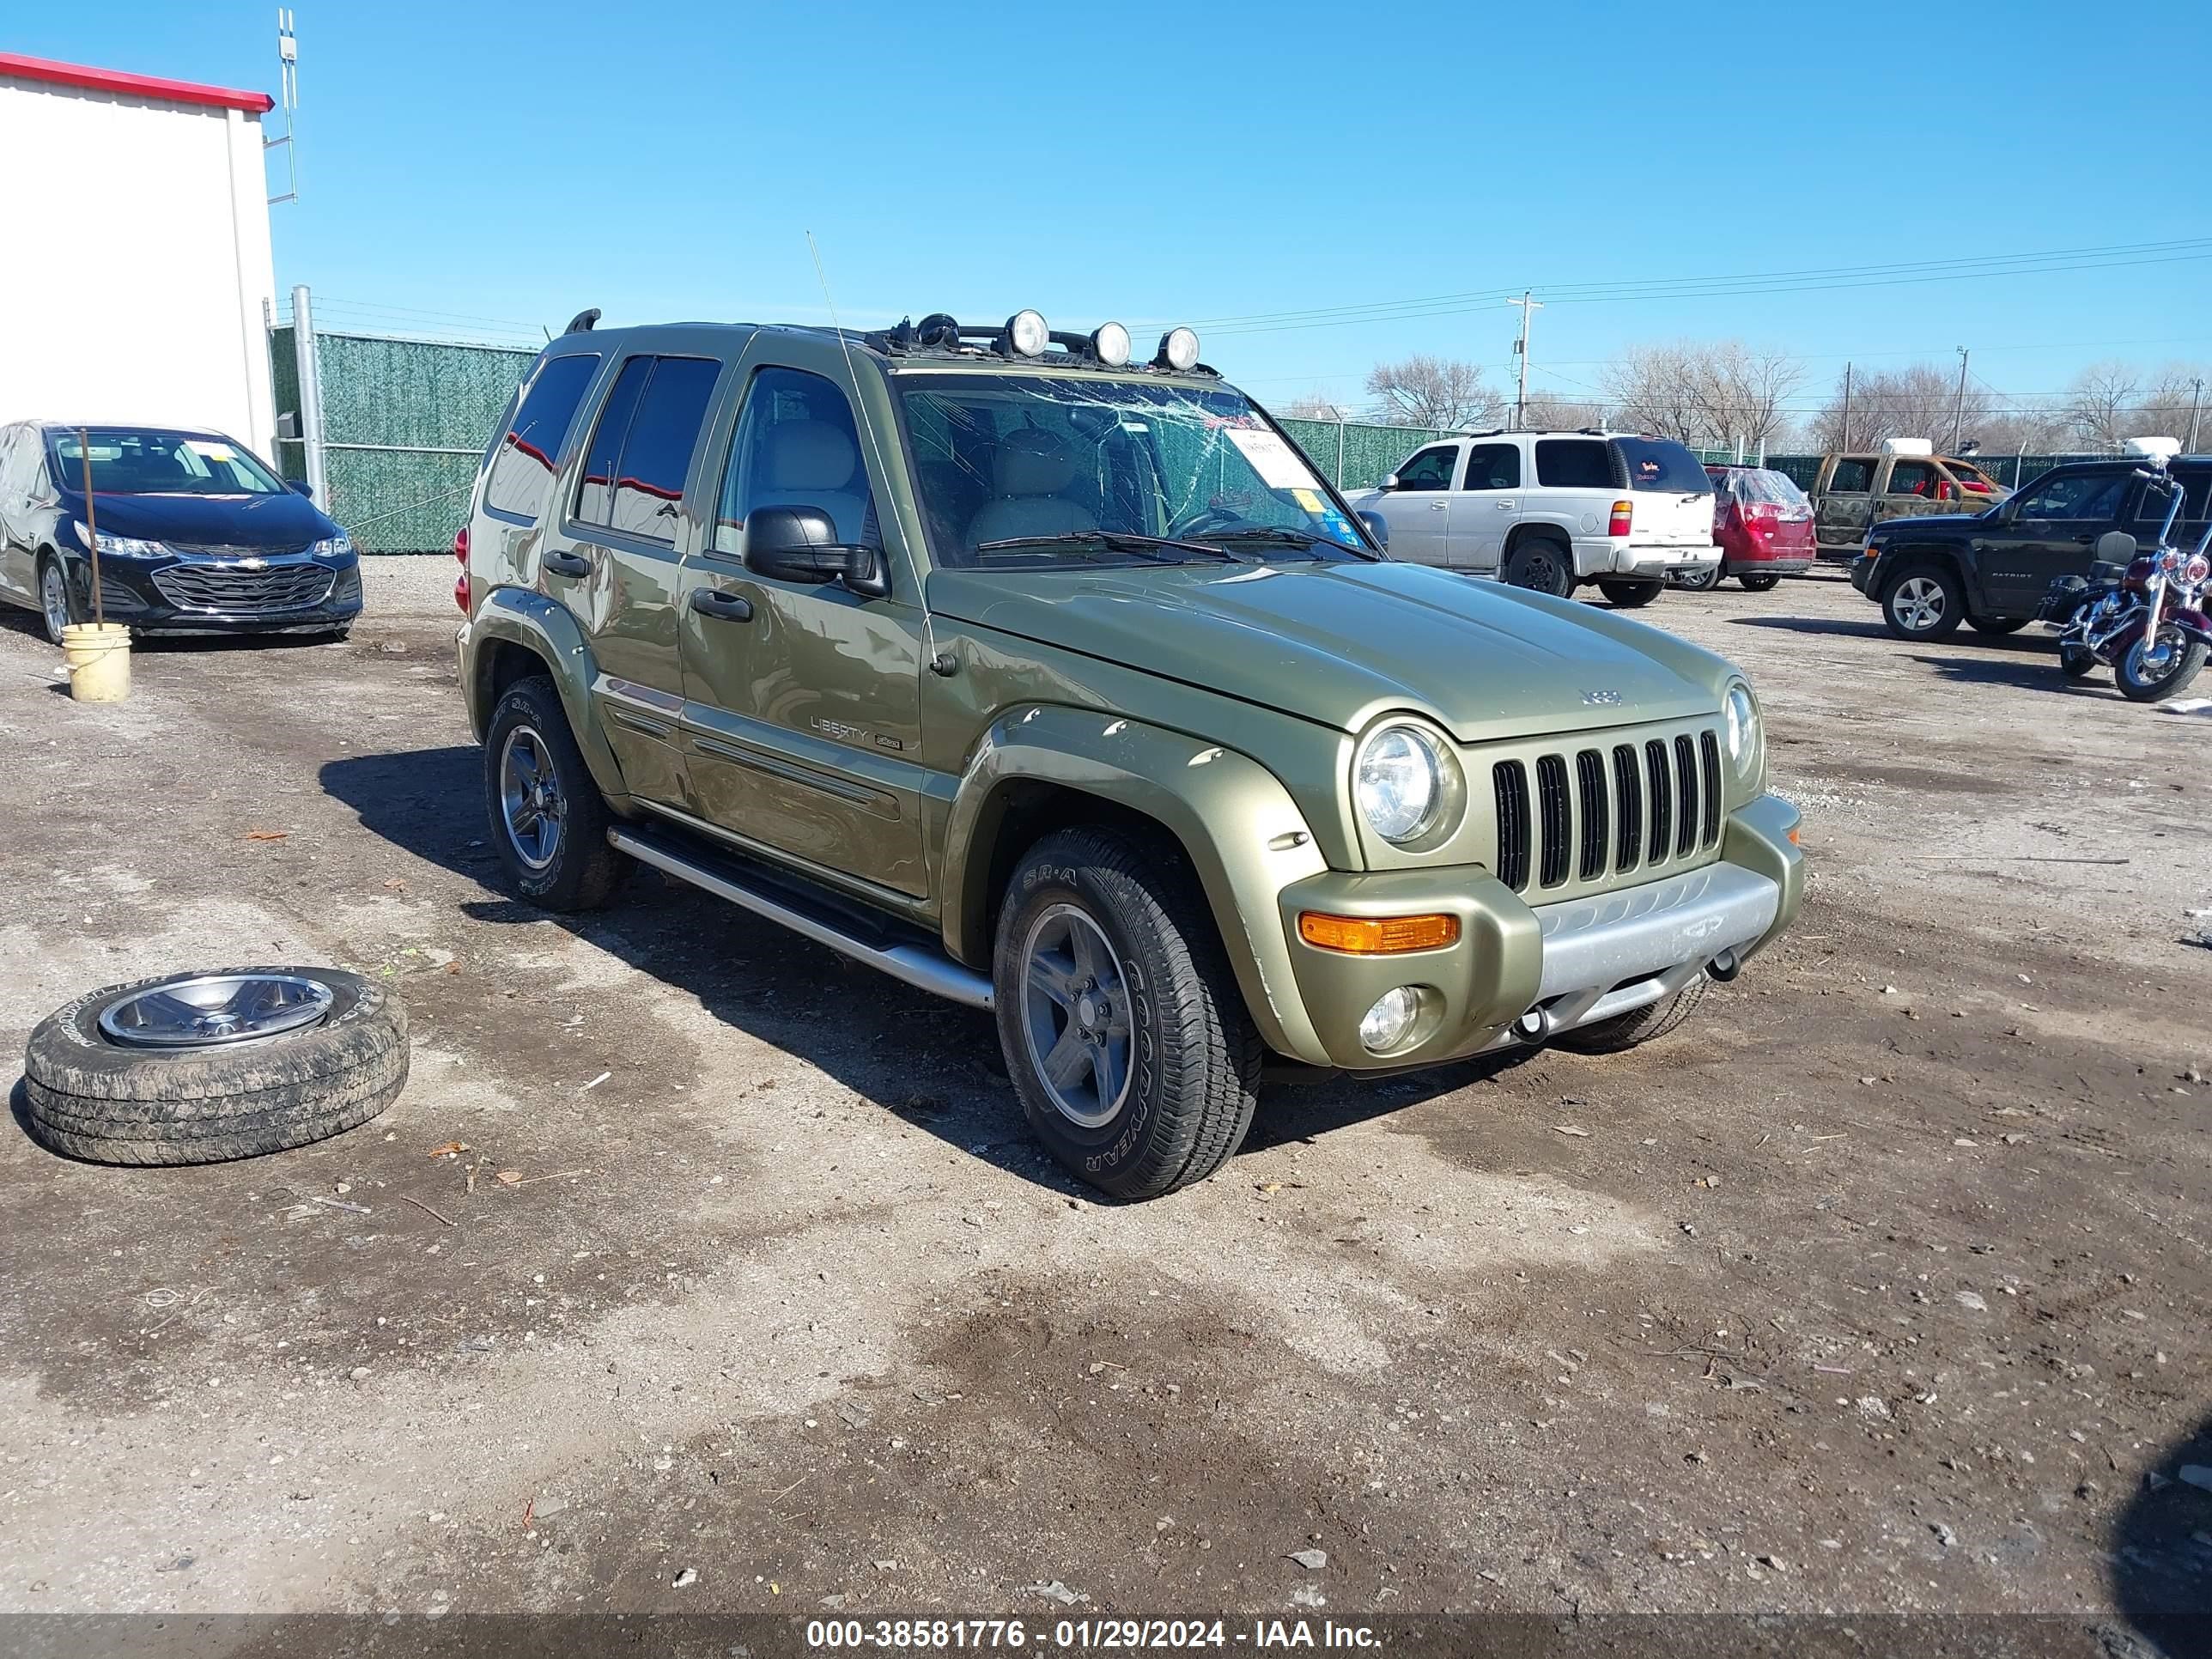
column 224, row 1063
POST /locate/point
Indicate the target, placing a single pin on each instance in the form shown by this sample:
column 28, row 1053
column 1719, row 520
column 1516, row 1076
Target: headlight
column 333, row 547
column 1742, row 714
column 118, row 547
column 1401, row 781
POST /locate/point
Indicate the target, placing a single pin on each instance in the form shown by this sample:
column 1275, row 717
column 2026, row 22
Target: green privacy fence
column 404, row 422
column 1354, row 454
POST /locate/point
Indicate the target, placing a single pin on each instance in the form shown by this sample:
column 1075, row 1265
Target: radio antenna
column 874, row 448
column 287, row 67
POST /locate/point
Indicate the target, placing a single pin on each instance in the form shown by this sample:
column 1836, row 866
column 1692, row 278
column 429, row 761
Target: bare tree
column 1432, row 392
column 1314, row 406
column 1922, row 401
column 2100, row 401
column 1721, row 396
column 1548, row 414
column 2172, row 404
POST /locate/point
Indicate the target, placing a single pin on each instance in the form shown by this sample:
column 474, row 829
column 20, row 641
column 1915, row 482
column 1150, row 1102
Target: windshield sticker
column 1275, row 461
column 206, row 451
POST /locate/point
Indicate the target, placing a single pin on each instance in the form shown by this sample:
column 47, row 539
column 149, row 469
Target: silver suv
column 1553, row 510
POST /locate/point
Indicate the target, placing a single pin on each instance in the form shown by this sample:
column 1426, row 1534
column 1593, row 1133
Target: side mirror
column 2115, row 547
column 1389, row 481
column 800, row 544
column 1377, row 527
column 301, row 487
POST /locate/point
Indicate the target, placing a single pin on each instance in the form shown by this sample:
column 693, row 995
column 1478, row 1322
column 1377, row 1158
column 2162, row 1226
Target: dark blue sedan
column 196, row 535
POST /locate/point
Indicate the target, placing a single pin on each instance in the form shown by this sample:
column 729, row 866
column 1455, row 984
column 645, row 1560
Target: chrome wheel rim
column 532, row 809
column 1075, row 1016
column 1918, row 603
column 2148, row 661
column 202, row 1009
column 53, row 598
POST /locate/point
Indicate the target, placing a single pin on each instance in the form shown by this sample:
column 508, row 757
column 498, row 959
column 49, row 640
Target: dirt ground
column 1883, row 1287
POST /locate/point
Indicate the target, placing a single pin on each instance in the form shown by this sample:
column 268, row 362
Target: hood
column 1916, row 522
column 1340, row 644
column 282, row 523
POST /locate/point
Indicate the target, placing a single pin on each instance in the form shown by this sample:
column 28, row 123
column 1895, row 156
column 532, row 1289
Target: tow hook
column 1725, row 967
column 1534, row 1028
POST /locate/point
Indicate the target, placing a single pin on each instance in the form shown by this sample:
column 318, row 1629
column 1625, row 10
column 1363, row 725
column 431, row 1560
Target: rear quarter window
column 528, row 451
column 1582, row 464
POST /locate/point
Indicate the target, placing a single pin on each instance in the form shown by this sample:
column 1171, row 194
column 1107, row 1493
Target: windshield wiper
column 1118, row 541
column 1288, row 537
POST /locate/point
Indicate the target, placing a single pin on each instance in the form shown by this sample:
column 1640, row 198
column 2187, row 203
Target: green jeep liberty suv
column 1063, row 686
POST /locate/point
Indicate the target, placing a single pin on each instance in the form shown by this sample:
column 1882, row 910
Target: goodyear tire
column 1123, row 1030
column 91, row 1093
column 1625, row 1031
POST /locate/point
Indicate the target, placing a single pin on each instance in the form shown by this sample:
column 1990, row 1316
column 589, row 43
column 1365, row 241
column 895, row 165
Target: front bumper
column 1579, row 961
column 286, row 594
column 1863, row 573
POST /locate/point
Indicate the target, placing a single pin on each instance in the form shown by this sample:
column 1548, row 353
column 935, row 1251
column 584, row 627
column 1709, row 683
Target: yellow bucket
column 99, row 660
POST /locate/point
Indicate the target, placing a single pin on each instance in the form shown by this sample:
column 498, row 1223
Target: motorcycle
column 2139, row 612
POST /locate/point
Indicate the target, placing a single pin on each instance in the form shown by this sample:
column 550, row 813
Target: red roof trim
column 15, row 66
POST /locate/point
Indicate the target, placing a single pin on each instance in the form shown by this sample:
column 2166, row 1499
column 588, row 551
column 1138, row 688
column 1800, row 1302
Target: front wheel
column 2152, row 672
column 57, row 606
column 1122, row 1027
column 1543, row 566
column 1925, row 603
column 1628, row 594
column 549, row 821
column 1759, row 582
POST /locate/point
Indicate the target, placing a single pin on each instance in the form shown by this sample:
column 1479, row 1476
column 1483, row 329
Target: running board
column 918, row 965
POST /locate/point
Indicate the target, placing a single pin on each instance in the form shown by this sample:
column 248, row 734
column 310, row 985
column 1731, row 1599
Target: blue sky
column 511, row 164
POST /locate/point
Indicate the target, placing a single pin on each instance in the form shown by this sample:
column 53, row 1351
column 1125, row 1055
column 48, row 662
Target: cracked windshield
column 1018, row 471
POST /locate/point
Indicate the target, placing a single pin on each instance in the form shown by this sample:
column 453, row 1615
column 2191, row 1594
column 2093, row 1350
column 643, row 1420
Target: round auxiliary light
column 1026, row 334
column 1110, row 344
column 1178, row 348
column 1389, row 1023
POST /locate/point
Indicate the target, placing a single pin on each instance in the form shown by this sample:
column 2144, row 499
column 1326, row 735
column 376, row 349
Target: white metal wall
column 133, row 262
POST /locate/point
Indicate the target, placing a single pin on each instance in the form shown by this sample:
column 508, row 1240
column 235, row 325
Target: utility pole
column 1843, row 432
column 1958, row 415
column 2195, row 402
column 1529, row 307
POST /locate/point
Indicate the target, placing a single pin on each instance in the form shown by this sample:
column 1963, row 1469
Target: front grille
column 1597, row 815
column 232, row 590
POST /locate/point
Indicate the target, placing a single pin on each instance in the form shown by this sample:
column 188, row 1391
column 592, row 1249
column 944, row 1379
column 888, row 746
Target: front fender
column 518, row 616
column 1244, row 836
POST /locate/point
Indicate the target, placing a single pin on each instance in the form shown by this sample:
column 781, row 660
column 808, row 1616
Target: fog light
column 1026, row 335
column 1109, row 344
column 1178, row 349
column 1387, row 1024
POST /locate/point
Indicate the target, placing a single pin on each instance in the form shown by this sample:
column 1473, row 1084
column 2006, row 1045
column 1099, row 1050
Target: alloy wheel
column 1918, row 603
column 1075, row 1016
column 53, row 599
column 531, row 805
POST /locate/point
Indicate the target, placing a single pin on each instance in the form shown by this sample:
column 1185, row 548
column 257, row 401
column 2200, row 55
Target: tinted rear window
column 1576, row 464
column 634, row 476
column 1662, row 463
column 522, row 465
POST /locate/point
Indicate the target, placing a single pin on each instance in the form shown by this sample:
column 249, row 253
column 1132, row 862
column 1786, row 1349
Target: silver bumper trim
column 1598, row 943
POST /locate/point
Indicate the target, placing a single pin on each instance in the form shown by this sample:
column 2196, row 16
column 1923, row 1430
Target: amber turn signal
column 1377, row 936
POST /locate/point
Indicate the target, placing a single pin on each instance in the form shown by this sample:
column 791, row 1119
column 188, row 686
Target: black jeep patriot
column 1991, row 569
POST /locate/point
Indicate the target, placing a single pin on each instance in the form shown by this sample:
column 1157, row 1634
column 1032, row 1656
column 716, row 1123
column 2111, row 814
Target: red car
column 1763, row 525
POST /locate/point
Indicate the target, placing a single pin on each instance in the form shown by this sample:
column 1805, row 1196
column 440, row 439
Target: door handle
column 568, row 564
column 723, row 607
column 1438, row 506
column 1505, row 507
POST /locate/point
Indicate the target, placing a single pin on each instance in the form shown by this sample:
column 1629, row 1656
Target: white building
column 154, row 310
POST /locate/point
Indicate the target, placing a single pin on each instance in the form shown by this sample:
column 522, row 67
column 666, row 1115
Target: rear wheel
column 1924, row 603
column 1700, row 580
column 1122, row 1027
column 2076, row 661
column 1997, row 628
column 1758, row 581
column 1628, row 593
column 549, row 821
column 1542, row 565
column 2152, row 671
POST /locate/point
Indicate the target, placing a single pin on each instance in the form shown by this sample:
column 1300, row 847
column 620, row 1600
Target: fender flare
column 517, row 616
column 1243, row 834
